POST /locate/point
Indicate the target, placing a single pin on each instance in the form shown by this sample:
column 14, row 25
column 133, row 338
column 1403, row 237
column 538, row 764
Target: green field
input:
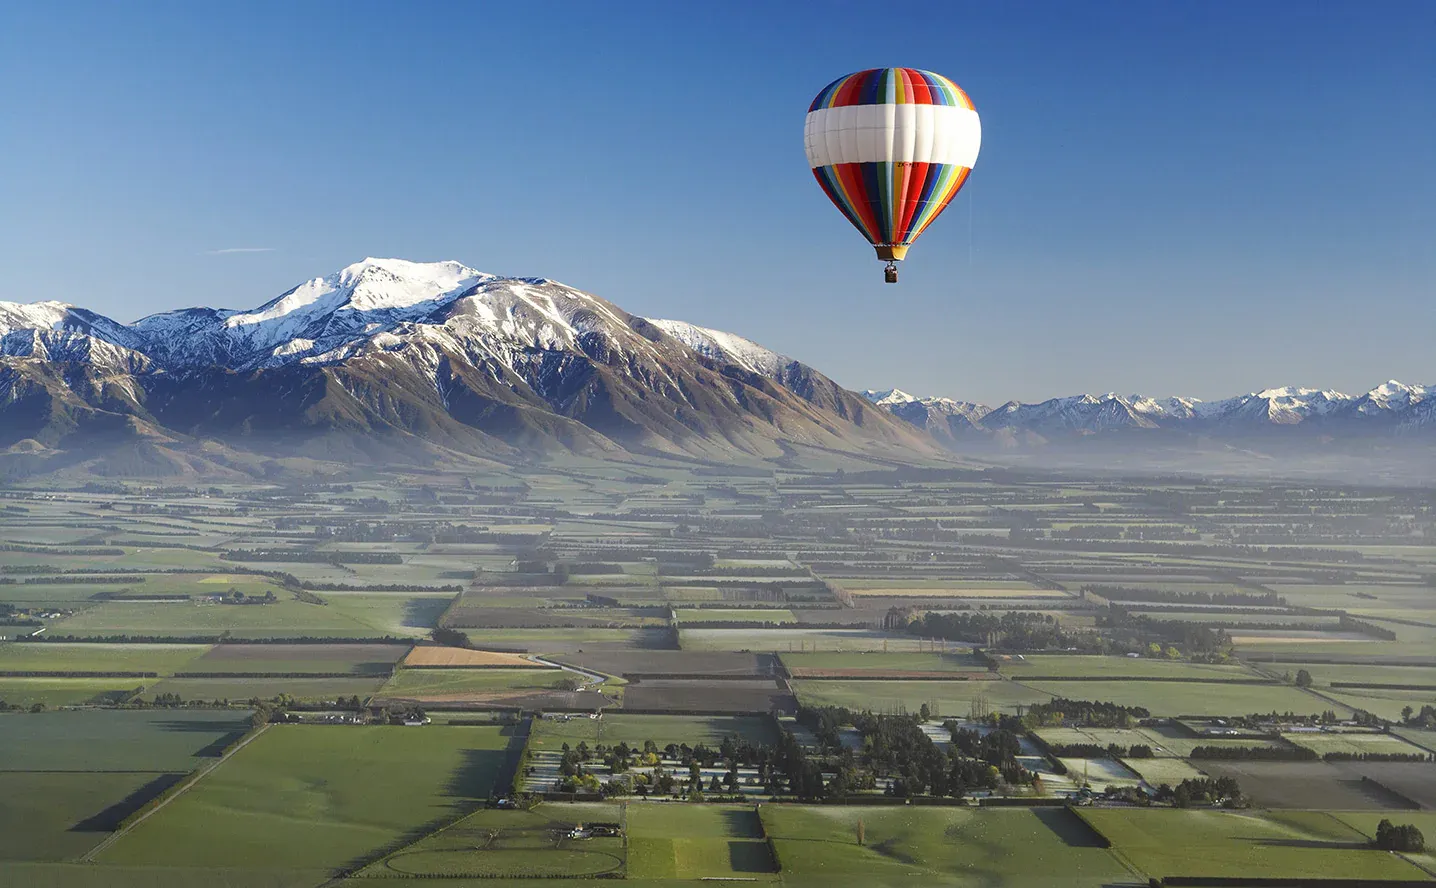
column 108, row 740
column 415, row 682
column 266, row 688
column 938, row 846
column 523, row 844
column 54, row 692
column 357, row 659
column 953, row 661
column 734, row 615
column 1355, row 744
column 61, row 657
column 1063, row 665
column 678, row 841
column 285, row 618
column 1292, row 844
column 616, row 727
column 318, row 797
column 946, row 698
column 800, row 640
column 59, row 816
column 1157, row 771
column 1182, row 698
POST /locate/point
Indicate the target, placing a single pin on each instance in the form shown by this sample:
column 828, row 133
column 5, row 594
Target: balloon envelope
column 891, row 147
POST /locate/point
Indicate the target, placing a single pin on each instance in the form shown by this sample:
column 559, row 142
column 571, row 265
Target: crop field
column 1054, row 666
column 670, row 663
column 811, row 663
column 450, row 657
column 1157, row 771
column 356, row 659
column 1182, row 698
column 101, row 740
column 616, row 727
column 1306, row 785
column 241, row 688
column 945, row 698
column 1415, row 781
column 1352, row 744
column 59, row 816
column 520, row 844
column 184, row 619
column 568, row 641
column 668, row 841
column 454, row 683
column 52, row 692
column 734, row 615
column 757, row 695
column 316, row 797
column 162, row 659
column 1225, row 844
column 1100, row 772
column 800, row 640
column 914, row 845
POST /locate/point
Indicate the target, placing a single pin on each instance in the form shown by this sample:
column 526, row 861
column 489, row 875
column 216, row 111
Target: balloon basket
column 890, row 273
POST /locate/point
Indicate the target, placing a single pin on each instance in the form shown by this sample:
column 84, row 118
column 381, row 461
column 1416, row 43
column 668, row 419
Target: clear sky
column 1199, row 198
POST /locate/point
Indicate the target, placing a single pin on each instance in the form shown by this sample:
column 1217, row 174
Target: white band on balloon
column 909, row 133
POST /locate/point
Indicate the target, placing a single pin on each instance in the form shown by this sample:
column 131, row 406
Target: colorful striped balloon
column 891, row 147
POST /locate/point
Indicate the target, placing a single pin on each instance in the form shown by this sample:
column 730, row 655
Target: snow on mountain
column 720, row 346
column 1086, row 413
column 32, row 316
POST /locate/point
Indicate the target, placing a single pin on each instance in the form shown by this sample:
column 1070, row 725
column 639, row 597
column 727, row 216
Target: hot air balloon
column 891, row 147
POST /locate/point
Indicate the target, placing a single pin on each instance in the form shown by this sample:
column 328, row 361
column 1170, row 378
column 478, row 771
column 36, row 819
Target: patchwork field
column 1353, row 744
column 1306, row 785
column 1061, row 666
column 240, row 688
column 944, row 698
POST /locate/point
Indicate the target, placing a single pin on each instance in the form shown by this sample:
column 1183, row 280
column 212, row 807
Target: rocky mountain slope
column 392, row 360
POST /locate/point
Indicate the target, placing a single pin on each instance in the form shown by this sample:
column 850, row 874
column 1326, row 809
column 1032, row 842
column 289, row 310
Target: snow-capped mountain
column 430, row 357
column 1390, row 406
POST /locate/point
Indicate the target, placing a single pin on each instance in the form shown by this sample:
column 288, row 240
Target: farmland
column 1028, row 633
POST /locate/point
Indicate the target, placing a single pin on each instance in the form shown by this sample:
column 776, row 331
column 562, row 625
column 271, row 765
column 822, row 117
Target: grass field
column 662, row 729
column 1178, row 698
column 109, row 740
column 285, row 618
column 17, row 874
column 429, row 682
column 680, row 841
column 434, row 655
column 1292, row 844
column 946, row 698
column 800, row 640
column 956, row 661
column 358, row 659
column 1063, row 665
column 58, row 816
column 60, row 657
column 318, row 797
column 1356, row 744
column 521, row 844
column 265, row 688
column 926, row 846
column 1100, row 772
column 734, row 615
column 1157, row 771
column 54, row 692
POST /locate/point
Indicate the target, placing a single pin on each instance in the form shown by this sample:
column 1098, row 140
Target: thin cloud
column 228, row 250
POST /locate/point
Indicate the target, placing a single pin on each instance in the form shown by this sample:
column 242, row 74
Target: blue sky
column 1172, row 198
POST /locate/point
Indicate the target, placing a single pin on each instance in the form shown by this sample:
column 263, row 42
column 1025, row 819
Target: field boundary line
column 203, row 772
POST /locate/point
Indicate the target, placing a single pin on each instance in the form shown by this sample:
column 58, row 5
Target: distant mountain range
column 1390, row 409
column 389, row 360
column 396, row 362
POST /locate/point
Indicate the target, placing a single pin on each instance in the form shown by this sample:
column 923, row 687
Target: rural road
column 197, row 776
